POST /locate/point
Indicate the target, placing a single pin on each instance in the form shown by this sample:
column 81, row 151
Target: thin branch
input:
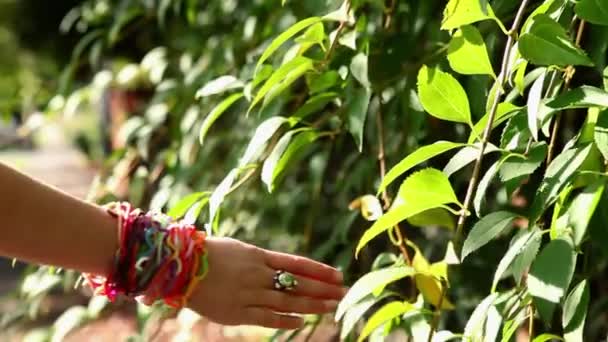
column 437, row 313
column 568, row 74
column 486, row 133
column 388, row 14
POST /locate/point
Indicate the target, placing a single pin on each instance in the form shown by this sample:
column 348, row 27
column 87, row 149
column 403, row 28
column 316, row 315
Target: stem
column 388, row 14
column 243, row 180
column 531, row 323
column 569, row 73
column 437, row 313
column 334, row 43
column 486, row 133
column 401, row 238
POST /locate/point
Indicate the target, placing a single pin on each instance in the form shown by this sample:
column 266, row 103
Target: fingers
column 303, row 266
column 317, row 289
column 286, row 302
column 271, row 319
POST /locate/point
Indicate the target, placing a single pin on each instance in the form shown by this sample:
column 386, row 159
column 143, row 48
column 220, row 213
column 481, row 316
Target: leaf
column 358, row 68
column 422, row 154
column 292, row 75
column 370, row 282
column 473, row 331
column 582, row 97
column 69, row 320
column 262, row 134
column 550, row 276
column 547, row 43
column 422, row 191
column 463, row 12
column 216, row 113
column 593, row 11
column 96, row 306
column 323, row 81
column 431, row 289
column 547, row 337
column 516, row 248
column 433, row 217
column 466, row 156
column 533, row 104
column 284, row 36
column 487, row 229
column 294, row 68
column 483, row 185
column 601, row 133
column 442, row 96
column 467, row 53
column 356, row 111
column 523, row 261
column 315, row 34
column 181, row 207
column 285, row 150
column 219, row 85
column 385, row 314
column 558, row 173
column 354, row 315
column 505, row 111
column 575, row 312
column 582, row 208
column 343, row 14
column 315, row 104
column 515, row 167
column 220, row 193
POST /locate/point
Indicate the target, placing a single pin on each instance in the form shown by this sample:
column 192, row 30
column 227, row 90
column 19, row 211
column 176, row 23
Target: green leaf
column 582, row 209
column 356, row 110
column 181, row 207
column 514, row 250
column 216, row 113
column 262, row 134
column 219, row 85
column 547, row 337
column 558, row 173
column 463, row 12
column 550, row 276
column 315, row 104
column 354, row 315
column 523, row 261
column 358, row 68
column 424, row 190
column 369, row 283
column 288, row 72
column 487, row 229
column 483, row 185
column 422, row 154
column 69, row 320
column 582, row 97
column 466, row 156
column 533, row 104
column 505, row 111
column 283, row 153
column 442, row 96
column 324, row 81
column 286, row 35
column 385, row 314
column 516, row 167
column 593, row 11
column 292, row 75
column 474, row 329
column 218, row 195
column 575, row 312
column 433, row 217
column 467, row 53
column 547, row 43
column 601, row 133
column 315, row 34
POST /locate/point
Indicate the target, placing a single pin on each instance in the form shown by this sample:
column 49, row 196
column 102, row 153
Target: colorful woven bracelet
column 157, row 258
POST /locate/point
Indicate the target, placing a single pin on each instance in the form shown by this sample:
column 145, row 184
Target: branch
column 486, row 133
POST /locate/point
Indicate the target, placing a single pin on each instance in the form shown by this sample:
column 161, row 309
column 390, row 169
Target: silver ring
column 284, row 281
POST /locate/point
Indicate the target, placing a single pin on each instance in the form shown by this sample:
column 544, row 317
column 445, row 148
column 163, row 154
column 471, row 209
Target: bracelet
column 157, row 258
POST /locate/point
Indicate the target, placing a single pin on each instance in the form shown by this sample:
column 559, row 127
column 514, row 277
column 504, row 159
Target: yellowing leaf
column 370, row 207
column 431, row 290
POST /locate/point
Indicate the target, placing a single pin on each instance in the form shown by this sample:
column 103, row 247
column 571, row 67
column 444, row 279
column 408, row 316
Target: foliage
column 319, row 99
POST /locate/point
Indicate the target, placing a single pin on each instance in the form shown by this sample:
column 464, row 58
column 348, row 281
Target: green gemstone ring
column 284, row 281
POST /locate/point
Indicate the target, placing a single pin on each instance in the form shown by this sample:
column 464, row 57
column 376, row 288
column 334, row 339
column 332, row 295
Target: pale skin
column 43, row 225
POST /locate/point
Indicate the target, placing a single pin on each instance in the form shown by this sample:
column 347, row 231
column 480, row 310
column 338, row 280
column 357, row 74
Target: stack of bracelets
column 157, row 259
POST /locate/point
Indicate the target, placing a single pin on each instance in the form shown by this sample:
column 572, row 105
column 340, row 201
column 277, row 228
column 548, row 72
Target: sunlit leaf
column 601, row 133
column 219, row 85
column 69, row 320
column 516, row 248
column 357, row 103
column 533, row 104
column 262, row 134
column 575, row 312
column 582, row 97
column 547, row 337
column 220, row 193
column 181, row 207
column 465, row 156
column 442, row 96
column 433, row 217
column 521, row 263
column 463, row 12
column 354, row 315
column 358, row 68
column 474, row 329
column 550, row 276
column 370, row 282
column 505, row 111
column 386, row 313
column 516, row 167
column 467, row 53
column 482, row 187
column 216, row 113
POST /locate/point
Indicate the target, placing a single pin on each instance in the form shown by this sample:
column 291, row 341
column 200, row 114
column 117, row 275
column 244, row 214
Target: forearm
column 43, row 225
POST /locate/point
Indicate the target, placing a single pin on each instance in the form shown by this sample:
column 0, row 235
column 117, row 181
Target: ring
column 284, row 281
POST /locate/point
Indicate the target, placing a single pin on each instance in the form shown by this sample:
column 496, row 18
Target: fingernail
column 330, row 304
column 339, row 277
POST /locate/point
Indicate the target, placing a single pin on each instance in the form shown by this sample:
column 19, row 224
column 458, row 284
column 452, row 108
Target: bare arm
column 43, row 225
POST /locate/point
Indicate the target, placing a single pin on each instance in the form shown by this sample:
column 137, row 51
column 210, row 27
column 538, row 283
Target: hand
column 239, row 286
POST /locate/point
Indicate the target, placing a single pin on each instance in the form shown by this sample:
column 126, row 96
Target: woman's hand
column 239, row 288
